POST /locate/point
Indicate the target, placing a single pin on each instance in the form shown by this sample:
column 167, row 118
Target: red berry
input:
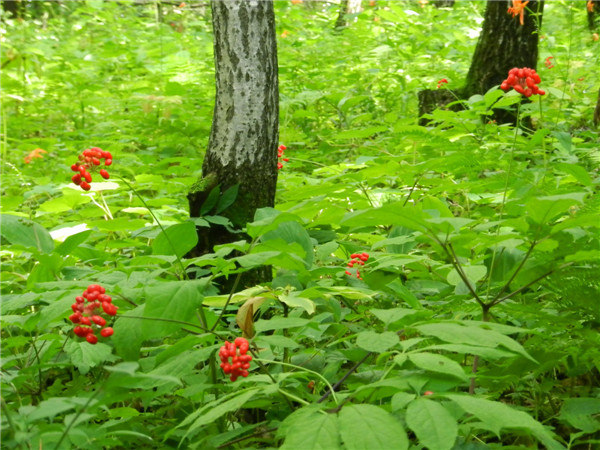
column 85, row 320
column 98, row 320
column 104, row 174
column 75, row 317
column 428, row 393
column 106, row 332
column 108, row 162
column 85, row 186
column 92, row 339
column 109, row 308
column 76, row 179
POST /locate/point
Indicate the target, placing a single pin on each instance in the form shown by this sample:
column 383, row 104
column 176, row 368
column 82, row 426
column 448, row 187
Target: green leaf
column 51, row 408
column 405, row 294
column 217, row 408
column 127, row 337
column 72, row 242
column 543, row 209
column 267, row 219
column 389, row 316
column 365, row 427
column 211, row 200
column 580, row 412
column 84, row 355
column 310, row 429
column 432, row 423
column 437, row 363
column 409, row 217
column 456, row 333
column 359, row 134
column 174, row 300
column 497, row 416
column 473, row 274
column 279, row 323
column 377, row 342
column 21, row 231
column 298, row 302
column 227, row 199
column 578, row 172
column 176, row 240
column 291, row 232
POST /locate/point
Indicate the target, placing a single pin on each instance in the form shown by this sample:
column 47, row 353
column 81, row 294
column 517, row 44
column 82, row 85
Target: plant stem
column 62, row 437
column 184, row 273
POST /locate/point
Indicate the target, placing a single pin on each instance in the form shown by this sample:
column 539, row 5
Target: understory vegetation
column 433, row 286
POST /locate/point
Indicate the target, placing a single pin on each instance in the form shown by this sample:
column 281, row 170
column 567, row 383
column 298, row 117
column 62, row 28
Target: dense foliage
column 404, row 257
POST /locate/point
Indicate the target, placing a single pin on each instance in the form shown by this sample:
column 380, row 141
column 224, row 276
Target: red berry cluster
column 89, row 160
column 86, row 314
column 240, row 363
column 524, row 81
column 357, row 259
column 280, row 150
column 548, row 62
column 442, row 82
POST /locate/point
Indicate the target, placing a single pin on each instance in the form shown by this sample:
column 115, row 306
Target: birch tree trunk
column 242, row 148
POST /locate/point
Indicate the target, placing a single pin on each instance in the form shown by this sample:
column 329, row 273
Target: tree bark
column 597, row 111
column 503, row 44
column 13, row 7
column 347, row 7
column 443, row 3
column 592, row 15
column 242, row 148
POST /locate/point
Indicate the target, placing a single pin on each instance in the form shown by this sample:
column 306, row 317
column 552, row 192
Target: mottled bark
column 347, row 7
column 243, row 142
column 503, row 44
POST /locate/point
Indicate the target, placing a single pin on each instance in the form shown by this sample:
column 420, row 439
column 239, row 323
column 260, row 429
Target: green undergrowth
column 474, row 323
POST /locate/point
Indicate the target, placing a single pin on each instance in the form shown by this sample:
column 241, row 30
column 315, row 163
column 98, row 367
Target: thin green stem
column 515, row 273
column 184, row 273
column 66, row 432
column 522, row 288
column 317, row 374
column 181, row 322
column 504, row 196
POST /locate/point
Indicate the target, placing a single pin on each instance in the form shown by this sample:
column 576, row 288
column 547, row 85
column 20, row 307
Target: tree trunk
column 13, row 7
column 503, row 44
column 242, row 148
column 597, row 111
column 592, row 14
column 443, row 3
column 347, row 7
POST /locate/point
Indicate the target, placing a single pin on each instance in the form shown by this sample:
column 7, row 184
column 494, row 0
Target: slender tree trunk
column 443, row 3
column 347, row 7
column 597, row 111
column 592, row 14
column 242, row 148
